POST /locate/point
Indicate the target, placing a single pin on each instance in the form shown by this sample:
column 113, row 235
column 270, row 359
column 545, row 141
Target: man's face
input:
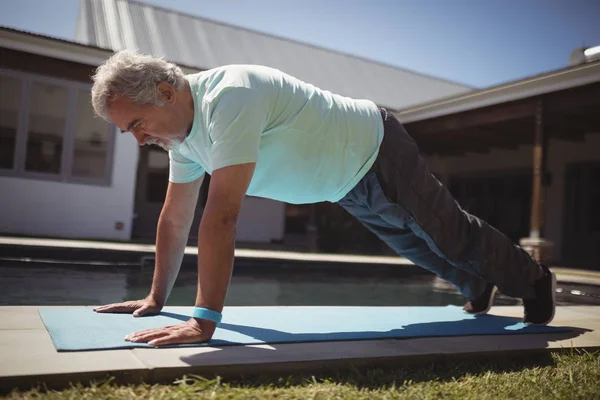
column 148, row 124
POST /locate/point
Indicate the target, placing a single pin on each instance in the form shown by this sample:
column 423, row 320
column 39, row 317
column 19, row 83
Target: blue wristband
column 205, row 313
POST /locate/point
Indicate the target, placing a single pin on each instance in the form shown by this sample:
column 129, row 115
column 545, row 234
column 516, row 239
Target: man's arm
column 216, row 239
column 172, row 233
column 171, row 237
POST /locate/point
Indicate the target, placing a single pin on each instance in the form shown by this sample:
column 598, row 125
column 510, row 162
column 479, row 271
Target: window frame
column 67, row 155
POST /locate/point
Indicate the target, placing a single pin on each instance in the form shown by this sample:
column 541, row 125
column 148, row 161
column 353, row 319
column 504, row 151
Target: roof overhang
column 554, row 81
column 52, row 47
column 59, row 48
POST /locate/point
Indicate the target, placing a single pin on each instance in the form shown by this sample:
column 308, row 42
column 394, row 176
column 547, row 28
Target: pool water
column 51, row 284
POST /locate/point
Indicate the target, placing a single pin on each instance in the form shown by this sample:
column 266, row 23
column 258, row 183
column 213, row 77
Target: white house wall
column 58, row 209
column 560, row 154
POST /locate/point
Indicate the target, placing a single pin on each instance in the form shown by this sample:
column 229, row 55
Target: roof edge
column 34, row 43
column 63, row 49
column 561, row 79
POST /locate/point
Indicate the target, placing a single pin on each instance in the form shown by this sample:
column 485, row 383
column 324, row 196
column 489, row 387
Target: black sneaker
column 540, row 311
column 483, row 303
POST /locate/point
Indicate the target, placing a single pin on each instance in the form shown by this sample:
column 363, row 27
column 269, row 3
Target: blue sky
column 477, row 42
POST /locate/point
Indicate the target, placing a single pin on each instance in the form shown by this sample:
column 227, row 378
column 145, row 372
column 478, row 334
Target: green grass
column 573, row 375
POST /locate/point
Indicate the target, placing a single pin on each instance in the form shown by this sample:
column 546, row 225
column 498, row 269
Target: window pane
column 47, row 115
column 90, row 153
column 10, row 88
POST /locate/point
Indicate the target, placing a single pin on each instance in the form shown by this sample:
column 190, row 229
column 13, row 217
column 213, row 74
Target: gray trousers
column 408, row 208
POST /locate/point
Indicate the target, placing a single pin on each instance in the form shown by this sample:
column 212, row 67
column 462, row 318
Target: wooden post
column 537, row 202
column 535, row 243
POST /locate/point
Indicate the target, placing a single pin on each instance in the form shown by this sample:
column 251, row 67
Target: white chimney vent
column 582, row 55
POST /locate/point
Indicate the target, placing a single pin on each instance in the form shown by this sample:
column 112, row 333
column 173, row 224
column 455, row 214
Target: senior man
column 259, row 131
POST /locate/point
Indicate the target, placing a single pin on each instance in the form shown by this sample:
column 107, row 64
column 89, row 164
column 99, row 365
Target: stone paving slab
column 22, row 317
column 27, row 355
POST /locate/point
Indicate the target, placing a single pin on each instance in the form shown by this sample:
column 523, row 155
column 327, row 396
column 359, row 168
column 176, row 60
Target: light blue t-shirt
column 309, row 145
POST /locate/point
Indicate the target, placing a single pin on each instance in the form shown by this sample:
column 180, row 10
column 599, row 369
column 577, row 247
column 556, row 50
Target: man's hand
column 139, row 308
column 191, row 331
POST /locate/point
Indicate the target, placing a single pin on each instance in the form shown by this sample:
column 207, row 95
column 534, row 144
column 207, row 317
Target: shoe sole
column 490, row 303
column 553, row 304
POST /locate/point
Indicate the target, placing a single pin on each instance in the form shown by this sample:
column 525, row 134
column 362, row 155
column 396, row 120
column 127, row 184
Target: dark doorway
column 502, row 199
column 152, row 182
column 581, row 233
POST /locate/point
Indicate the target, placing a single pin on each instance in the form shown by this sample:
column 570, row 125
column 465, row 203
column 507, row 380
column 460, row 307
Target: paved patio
column 28, row 355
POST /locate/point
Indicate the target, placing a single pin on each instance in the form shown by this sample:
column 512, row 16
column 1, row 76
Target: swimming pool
column 30, row 283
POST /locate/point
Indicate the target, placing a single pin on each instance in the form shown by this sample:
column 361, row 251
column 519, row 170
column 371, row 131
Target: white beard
column 165, row 144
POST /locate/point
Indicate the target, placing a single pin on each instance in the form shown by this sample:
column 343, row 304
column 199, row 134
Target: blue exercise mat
column 83, row 329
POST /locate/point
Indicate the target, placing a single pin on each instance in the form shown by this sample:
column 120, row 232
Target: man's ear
column 167, row 92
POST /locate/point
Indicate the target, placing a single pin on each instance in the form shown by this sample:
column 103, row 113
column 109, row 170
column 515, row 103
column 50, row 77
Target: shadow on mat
column 482, row 325
column 376, row 374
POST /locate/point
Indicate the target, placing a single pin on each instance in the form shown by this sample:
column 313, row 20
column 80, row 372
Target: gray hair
column 134, row 76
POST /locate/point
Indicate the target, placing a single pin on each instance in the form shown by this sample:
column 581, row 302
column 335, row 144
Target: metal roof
column 204, row 44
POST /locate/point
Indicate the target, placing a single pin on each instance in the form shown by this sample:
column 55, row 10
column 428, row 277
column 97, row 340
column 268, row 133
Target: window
column 10, row 101
column 46, row 127
column 48, row 130
column 91, row 145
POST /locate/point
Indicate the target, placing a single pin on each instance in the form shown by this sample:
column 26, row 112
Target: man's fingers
column 151, row 331
column 146, row 310
column 111, row 306
column 116, row 308
column 102, row 308
column 140, row 312
column 181, row 338
column 169, row 339
column 141, row 333
column 146, row 336
column 186, row 332
column 138, row 308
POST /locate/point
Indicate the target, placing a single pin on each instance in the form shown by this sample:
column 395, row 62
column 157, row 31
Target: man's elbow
column 175, row 221
column 229, row 218
column 223, row 218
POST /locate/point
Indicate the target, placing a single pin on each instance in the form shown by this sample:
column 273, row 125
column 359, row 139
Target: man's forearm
column 171, row 240
column 216, row 244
